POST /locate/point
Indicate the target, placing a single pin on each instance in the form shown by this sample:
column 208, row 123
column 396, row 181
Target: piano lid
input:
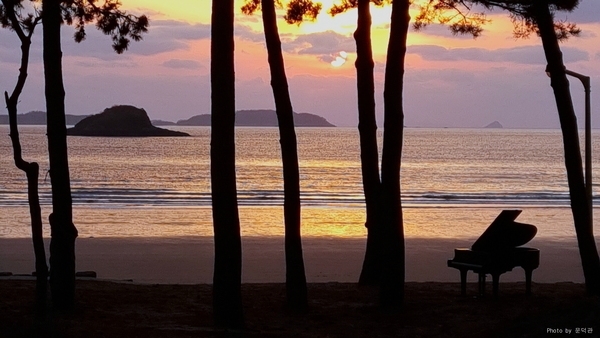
column 504, row 233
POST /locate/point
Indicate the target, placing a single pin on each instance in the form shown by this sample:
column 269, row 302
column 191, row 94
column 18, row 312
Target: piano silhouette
column 497, row 251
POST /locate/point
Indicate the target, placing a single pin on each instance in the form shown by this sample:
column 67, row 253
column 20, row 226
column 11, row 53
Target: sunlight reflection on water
column 454, row 182
column 552, row 223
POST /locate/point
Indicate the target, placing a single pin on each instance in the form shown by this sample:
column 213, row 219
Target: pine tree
column 227, row 279
column 122, row 27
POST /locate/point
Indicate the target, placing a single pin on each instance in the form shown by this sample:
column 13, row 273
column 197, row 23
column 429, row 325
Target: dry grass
column 107, row 309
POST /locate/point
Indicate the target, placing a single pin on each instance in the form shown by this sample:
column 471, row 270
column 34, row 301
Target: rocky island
column 494, row 125
column 260, row 118
column 120, row 121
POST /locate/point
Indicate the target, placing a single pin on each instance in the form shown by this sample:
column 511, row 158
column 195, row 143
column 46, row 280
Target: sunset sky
column 449, row 82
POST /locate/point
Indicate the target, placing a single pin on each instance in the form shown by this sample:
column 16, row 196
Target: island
column 260, row 118
column 244, row 118
column 160, row 123
column 120, row 121
column 39, row 118
column 494, row 125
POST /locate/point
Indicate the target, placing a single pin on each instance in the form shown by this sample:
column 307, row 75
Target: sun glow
column 344, row 23
column 185, row 10
column 340, row 59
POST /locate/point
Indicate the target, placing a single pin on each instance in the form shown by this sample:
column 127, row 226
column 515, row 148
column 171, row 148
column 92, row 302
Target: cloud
column 519, row 55
column 96, row 63
column 153, row 46
column 586, row 12
column 96, row 45
column 249, row 18
column 246, row 33
column 179, row 30
column 163, row 36
column 328, row 42
column 324, row 45
column 182, row 64
column 587, row 34
column 169, row 35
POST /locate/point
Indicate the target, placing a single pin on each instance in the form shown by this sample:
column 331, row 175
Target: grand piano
column 497, row 251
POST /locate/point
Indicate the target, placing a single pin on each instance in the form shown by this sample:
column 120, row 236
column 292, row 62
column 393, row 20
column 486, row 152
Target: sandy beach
column 161, row 287
column 109, row 309
column 189, row 260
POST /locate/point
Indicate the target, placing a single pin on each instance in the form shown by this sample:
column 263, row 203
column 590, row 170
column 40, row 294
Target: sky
column 450, row 81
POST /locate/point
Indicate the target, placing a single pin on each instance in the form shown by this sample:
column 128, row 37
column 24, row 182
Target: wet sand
column 189, row 260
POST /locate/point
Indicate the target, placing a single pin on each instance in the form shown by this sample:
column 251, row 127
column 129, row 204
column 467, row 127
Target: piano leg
column 463, row 282
column 528, row 273
column 496, row 281
column 481, row 284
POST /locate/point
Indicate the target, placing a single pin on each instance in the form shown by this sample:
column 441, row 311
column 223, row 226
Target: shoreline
column 189, row 260
column 267, row 221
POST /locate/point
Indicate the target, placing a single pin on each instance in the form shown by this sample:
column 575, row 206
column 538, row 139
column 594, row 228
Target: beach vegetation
column 296, row 292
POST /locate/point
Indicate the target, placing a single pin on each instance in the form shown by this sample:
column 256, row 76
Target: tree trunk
column 369, row 154
column 392, row 282
column 63, row 231
column 568, row 122
column 295, row 275
column 31, row 169
column 227, row 300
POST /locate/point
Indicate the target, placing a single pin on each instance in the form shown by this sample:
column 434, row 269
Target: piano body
column 497, row 251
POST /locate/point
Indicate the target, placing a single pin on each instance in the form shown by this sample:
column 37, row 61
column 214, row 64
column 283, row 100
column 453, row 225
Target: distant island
column 163, row 123
column 39, row 118
column 120, row 121
column 244, row 118
column 494, row 125
column 260, row 118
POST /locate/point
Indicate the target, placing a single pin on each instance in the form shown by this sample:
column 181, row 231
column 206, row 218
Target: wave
column 128, row 197
column 517, row 198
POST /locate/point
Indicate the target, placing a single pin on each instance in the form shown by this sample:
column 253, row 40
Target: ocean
column 454, row 182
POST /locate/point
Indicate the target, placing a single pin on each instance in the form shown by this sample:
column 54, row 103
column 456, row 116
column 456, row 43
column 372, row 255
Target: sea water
column 454, row 182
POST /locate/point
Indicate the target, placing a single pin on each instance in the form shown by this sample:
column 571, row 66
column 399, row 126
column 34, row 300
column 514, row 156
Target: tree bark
column 369, row 153
column 227, row 300
column 295, row 275
column 31, row 169
column 63, row 231
column 568, row 122
column 392, row 282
